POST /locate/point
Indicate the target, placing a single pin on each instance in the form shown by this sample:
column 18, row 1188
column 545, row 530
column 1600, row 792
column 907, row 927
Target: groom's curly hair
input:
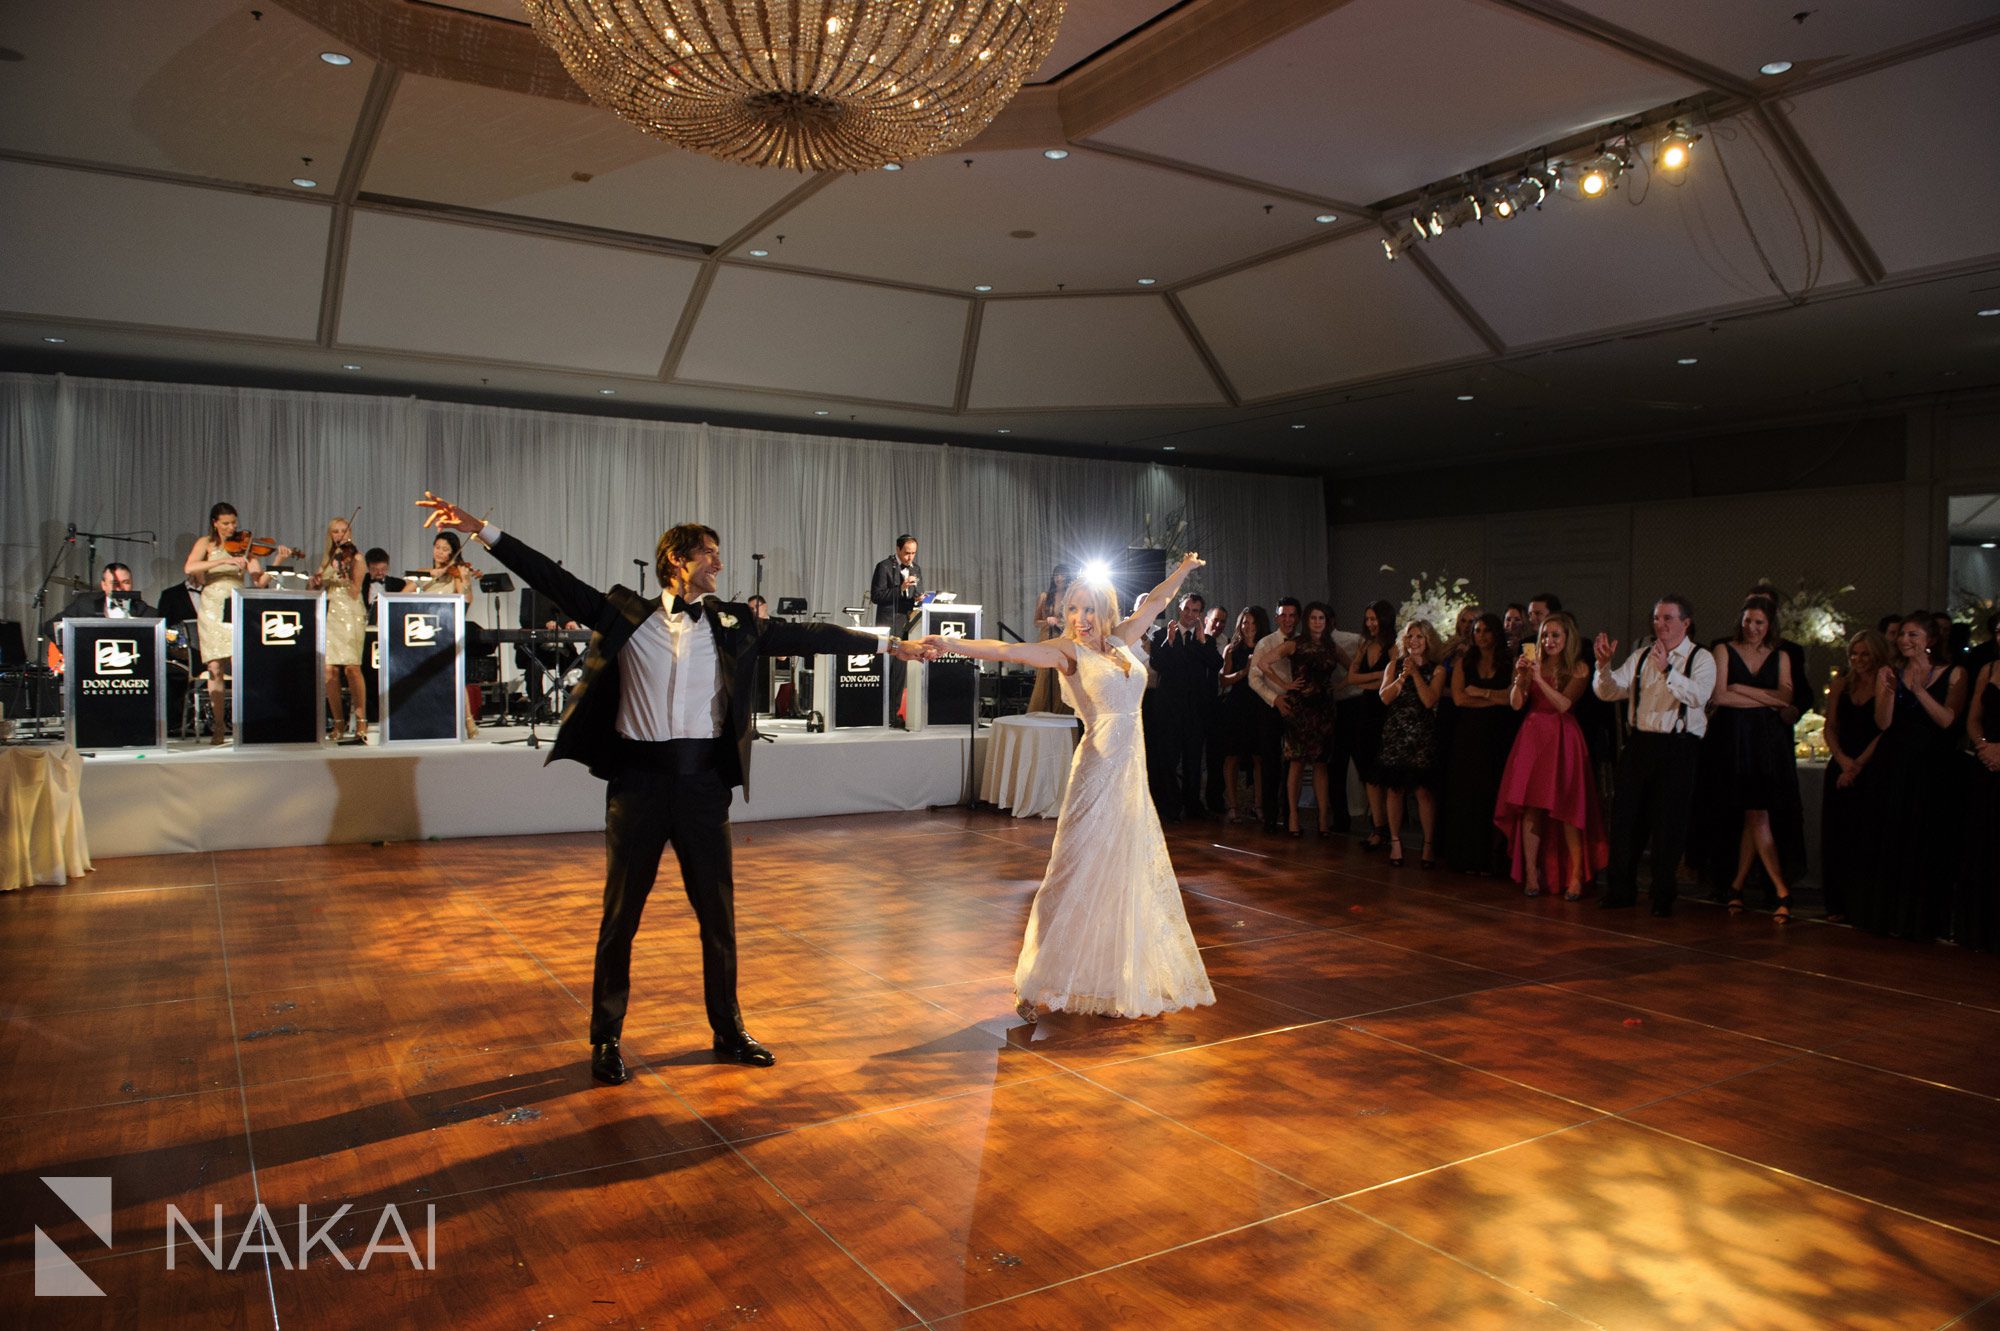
column 681, row 542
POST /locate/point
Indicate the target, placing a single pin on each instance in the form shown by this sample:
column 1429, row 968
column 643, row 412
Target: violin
column 249, row 545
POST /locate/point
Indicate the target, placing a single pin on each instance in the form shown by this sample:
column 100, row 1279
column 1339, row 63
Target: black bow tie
column 692, row 609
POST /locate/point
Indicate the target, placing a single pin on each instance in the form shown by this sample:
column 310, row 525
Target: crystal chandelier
column 809, row 84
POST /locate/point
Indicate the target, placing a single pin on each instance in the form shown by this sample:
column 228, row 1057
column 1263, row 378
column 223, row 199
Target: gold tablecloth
column 41, row 815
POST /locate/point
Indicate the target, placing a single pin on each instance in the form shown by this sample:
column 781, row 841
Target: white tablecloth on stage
column 41, row 804
column 1027, row 763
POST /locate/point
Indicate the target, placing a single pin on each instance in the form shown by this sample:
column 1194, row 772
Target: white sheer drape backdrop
column 595, row 491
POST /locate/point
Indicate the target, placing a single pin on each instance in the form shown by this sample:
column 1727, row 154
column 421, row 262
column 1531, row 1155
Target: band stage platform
column 198, row 797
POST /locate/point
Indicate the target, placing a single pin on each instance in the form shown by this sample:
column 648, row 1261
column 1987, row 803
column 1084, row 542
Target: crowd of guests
column 1516, row 745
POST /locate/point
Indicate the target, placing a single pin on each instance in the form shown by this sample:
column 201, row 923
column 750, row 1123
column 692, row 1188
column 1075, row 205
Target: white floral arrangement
column 1437, row 599
column 1810, row 616
column 1809, row 736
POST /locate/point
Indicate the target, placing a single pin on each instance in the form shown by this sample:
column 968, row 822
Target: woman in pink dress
column 1548, row 772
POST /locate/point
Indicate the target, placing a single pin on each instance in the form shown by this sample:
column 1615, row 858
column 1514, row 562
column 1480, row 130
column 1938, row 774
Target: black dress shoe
column 607, row 1066
column 740, row 1048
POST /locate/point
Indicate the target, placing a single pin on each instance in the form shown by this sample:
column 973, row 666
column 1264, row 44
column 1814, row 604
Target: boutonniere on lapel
column 724, row 618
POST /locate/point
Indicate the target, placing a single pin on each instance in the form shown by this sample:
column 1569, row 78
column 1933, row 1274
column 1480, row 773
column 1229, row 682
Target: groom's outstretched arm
column 579, row 600
column 781, row 637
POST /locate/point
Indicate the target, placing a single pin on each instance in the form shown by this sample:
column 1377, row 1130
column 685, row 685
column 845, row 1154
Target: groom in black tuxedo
column 662, row 713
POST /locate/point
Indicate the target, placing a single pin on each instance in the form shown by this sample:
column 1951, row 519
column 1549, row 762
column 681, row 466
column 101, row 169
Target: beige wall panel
column 769, row 329
column 1333, row 314
column 1577, row 267
column 206, row 259
column 1910, row 151
column 195, row 87
column 1088, row 351
column 507, row 152
column 439, row 287
column 1382, row 96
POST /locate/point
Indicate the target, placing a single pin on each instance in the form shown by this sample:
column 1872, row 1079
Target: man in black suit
column 1187, row 662
column 662, row 714
column 114, row 597
column 377, row 579
column 896, row 589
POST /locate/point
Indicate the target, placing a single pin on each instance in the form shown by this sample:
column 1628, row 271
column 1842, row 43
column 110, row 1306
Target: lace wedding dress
column 1107, row 933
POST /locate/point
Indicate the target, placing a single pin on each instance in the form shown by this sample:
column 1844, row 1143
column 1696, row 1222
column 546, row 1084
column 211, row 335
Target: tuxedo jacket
column 90, row 605
column 893, row 606
column 589, row 729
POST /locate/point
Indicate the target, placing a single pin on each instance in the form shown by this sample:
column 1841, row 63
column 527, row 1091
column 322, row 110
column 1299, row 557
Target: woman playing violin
column 340, row 573
column 223, row 561
column 450, row 573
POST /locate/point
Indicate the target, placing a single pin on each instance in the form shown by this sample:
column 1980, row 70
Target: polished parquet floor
column 1419, row 1101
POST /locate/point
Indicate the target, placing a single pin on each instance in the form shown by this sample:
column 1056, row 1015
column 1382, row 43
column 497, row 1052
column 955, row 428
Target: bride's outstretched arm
column 1156, row 600
column 1050, row 654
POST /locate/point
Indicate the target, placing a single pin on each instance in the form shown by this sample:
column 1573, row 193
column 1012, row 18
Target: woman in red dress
column 1548, row 774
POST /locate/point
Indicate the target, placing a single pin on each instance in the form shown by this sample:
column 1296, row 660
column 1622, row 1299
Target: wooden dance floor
column 1420, row 1101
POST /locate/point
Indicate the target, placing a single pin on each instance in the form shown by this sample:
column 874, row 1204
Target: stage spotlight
column 1503, row 203
column 1675, row 147
column 1599, row 175
column 1097, row 572
column 1417, row 225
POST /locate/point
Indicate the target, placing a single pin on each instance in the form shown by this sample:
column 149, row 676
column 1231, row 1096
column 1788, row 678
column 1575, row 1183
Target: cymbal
column 70, row 584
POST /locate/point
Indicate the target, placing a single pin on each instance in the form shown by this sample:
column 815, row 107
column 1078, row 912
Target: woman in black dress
column 1484, row 730
column 1318, row 665
column 1976, row 912
column 1858, row 708
column 1243, row 713
column 1360, row 717
column 1917, row 844
column 1748, row 757
column 1408, row 761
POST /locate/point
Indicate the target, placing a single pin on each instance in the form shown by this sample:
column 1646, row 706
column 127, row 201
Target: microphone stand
column 42, row 597
column 642, row 575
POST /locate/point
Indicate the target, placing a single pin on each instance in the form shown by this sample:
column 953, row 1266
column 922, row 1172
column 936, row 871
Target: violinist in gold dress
column 340, row 575
column 224, row 562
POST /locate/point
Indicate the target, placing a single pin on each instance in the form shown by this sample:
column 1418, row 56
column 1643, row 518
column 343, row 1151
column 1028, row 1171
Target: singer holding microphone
column 896, row 589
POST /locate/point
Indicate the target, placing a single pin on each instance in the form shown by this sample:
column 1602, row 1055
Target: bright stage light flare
column 1097, row 573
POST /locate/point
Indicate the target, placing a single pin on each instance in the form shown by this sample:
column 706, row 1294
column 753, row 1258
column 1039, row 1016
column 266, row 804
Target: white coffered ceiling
column 478, row 230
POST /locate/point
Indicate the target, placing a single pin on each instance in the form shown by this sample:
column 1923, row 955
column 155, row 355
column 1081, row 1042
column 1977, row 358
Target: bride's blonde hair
column 1101, row 597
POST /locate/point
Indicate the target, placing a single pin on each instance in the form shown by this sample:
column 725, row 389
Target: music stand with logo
column 422, row 674
column 280, row 668
column 944, row 692
column 852, row 691
column 115, row 680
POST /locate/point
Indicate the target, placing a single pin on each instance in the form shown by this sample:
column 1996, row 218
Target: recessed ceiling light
column 892, row 166
column 1055, row 154
column 350, row 366
column 1147, row 281
column 1776, row 67
column 1988, row 314
column 55, row 339
column 607, row 392
column 1166, row 448
column 760, row 254
column 1298, row 427
column 1326, row 217
column 1465, row 397
column 983, row 287
column 336, row 58
column 820, row 412
column 1986, row 545
column 304, row 183
column 1003, row 431
column 1688, row 360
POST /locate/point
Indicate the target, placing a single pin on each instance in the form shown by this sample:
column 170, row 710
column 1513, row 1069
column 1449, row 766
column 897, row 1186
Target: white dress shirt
column 1270, row 673
column 1657, row 710
column 668, row 687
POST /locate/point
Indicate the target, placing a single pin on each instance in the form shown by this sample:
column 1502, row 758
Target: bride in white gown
column 1107, row 934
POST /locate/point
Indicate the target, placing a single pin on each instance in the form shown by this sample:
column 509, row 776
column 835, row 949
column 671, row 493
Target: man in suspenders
column 1668, row 682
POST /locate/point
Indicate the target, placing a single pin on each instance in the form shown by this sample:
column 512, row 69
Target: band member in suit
column 662, row 714
column 114, row 597
column 378, row 579
column 896, row 590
